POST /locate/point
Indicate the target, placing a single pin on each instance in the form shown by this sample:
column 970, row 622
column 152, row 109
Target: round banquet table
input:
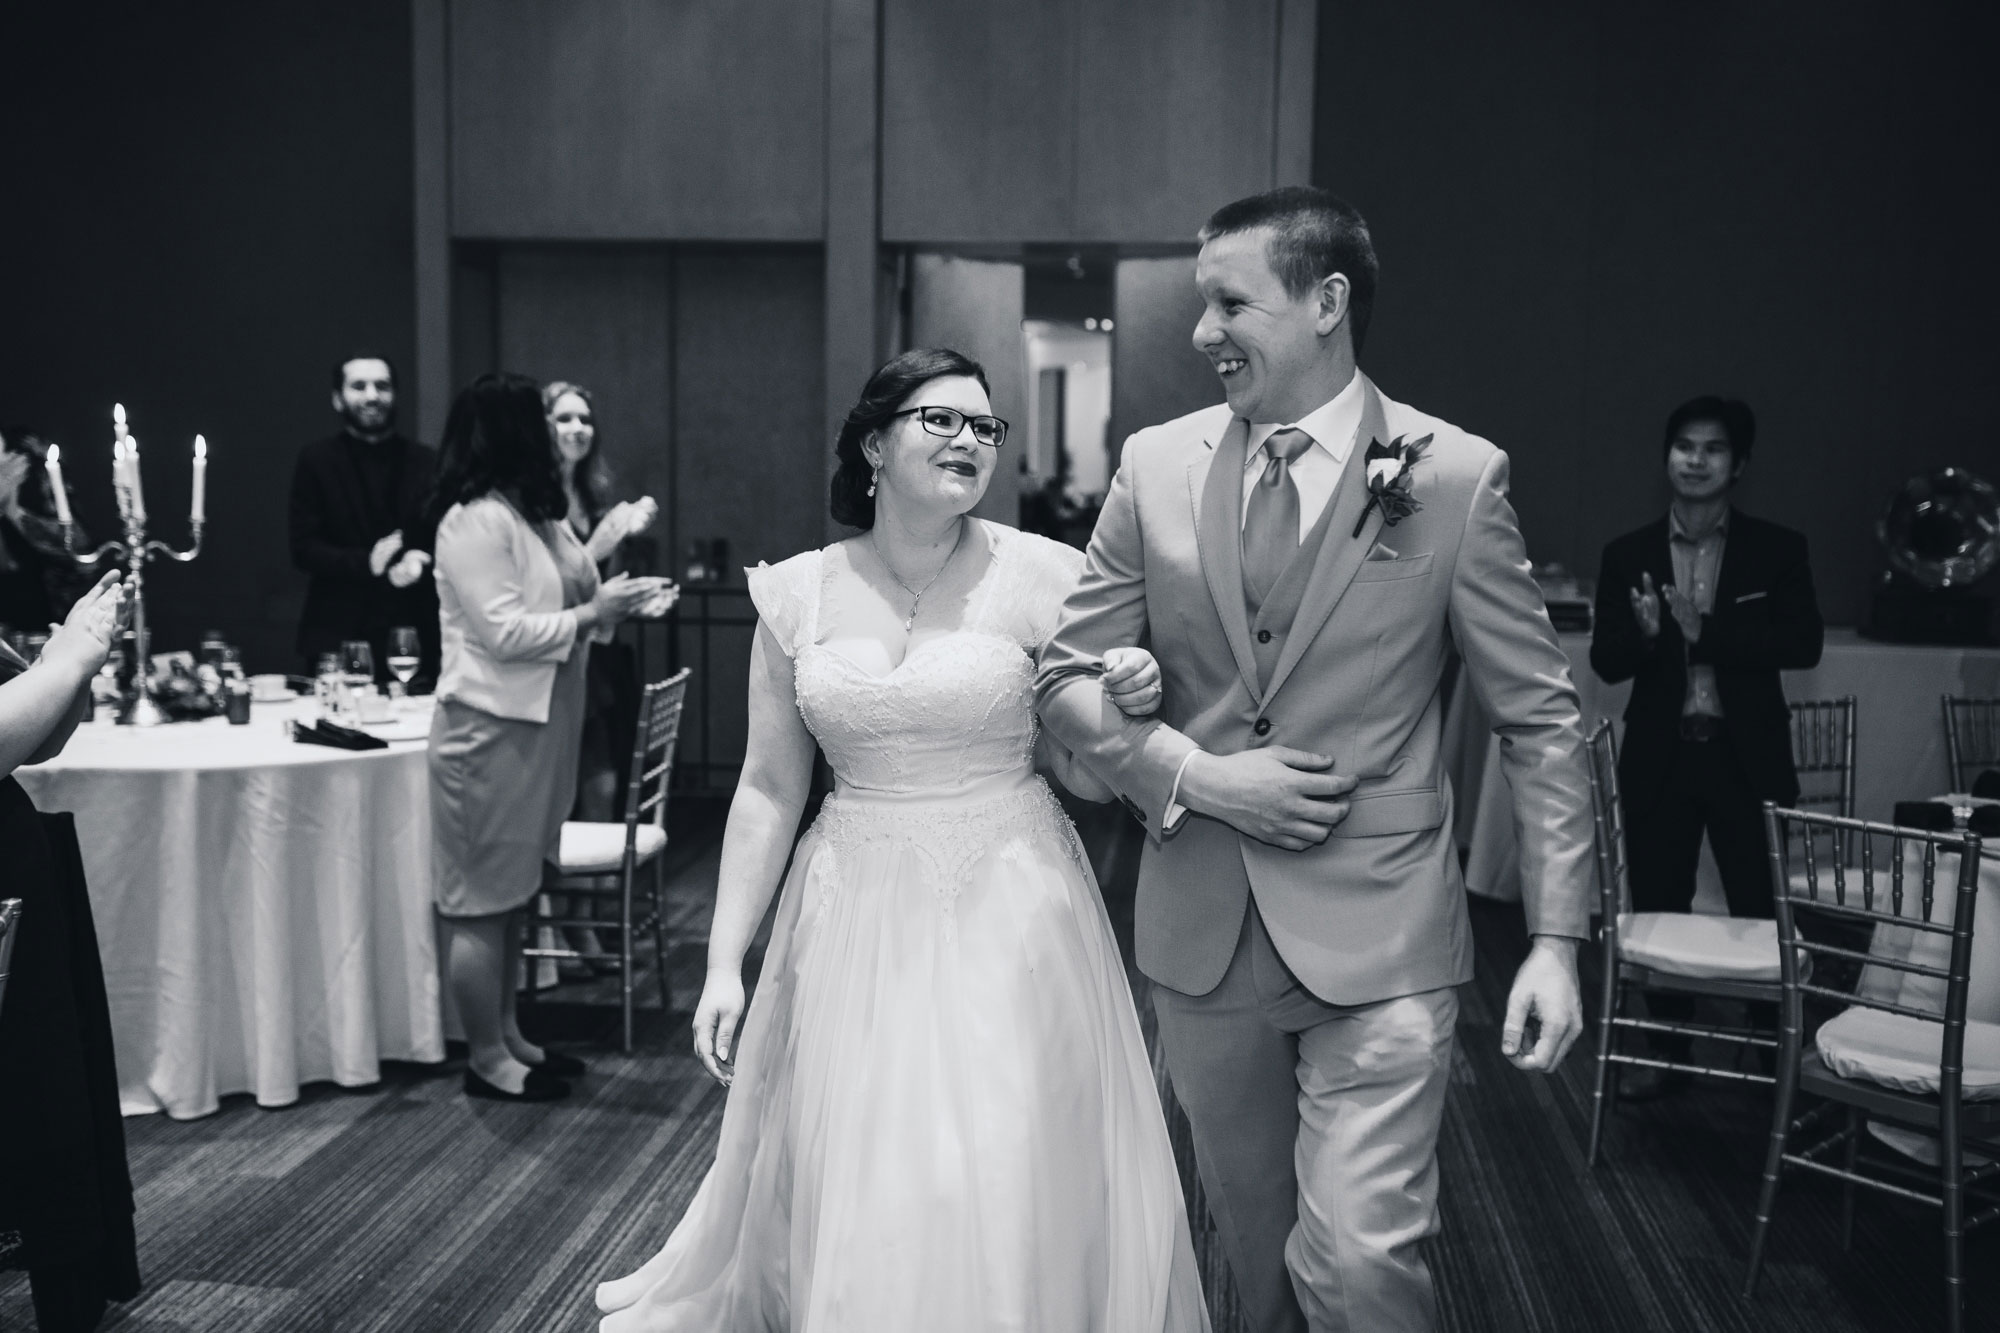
column 262, row 906
column 1898, row 746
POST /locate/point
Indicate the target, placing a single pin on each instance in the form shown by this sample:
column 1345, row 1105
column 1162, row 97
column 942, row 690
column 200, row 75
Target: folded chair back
column 1971, row 740
column 1893, row 913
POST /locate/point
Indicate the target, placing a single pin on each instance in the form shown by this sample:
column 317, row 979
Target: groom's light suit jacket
column 1378, row 909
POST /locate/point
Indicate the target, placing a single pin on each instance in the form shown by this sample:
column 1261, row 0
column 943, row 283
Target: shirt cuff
column 1176, row 812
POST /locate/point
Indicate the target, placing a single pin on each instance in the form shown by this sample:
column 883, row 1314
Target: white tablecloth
column 262, row 907
column 1899, row 741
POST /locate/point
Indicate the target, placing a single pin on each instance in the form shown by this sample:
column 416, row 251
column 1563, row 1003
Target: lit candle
column 132, row 473
column 118, row 486
column 198, row 508
column 56, row 485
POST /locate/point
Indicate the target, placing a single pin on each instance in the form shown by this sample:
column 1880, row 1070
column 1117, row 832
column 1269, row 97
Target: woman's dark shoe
column 559, row 1065
column 538, row 1087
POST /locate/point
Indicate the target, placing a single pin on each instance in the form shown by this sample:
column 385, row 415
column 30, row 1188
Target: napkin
column 324, row 732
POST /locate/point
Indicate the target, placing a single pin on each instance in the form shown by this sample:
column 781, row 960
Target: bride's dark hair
column 884, row 394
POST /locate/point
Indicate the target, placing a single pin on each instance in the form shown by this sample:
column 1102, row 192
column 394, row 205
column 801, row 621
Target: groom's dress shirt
column 1315, row 473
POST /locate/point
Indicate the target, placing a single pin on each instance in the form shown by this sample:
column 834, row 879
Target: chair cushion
column 600, row 848
column 1900, row 1052
column 1688, row 944
column 1904, row 944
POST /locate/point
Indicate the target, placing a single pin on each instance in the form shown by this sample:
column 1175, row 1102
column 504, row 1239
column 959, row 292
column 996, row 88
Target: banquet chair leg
column 1606, row 1089
column 625, row 959
column 1951, row 1158
column 660, row 934
column 1774, row 1157
column 1849, row 1152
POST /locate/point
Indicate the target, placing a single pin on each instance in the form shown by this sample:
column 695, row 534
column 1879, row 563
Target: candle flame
column 200, row 447
column 118, row 413
column 55, row 453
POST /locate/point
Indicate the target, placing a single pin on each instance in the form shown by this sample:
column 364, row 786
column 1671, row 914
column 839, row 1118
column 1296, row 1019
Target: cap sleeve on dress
column 1049, row 573
column 785, row 595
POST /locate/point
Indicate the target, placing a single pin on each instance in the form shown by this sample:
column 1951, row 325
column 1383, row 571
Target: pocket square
column 1380, row 552
column 1750, row 597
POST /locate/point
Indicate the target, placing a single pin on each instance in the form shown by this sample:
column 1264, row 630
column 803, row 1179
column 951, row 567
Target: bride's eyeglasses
column 949, row 421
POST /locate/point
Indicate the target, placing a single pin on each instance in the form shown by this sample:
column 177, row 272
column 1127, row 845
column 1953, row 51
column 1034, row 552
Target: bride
column 941, row 1114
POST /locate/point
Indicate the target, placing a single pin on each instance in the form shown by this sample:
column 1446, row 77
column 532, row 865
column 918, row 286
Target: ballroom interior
column 721, row 218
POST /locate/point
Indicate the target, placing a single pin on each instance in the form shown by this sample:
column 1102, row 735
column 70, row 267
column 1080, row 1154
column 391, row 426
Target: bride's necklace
column 916, row 594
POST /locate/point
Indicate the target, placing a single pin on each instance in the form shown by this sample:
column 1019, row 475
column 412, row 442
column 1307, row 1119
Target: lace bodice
column 960, row 706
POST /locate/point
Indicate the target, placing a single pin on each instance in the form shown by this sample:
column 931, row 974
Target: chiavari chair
column 1971, row 739
column 603, row 861
column 1886, row 969
column 1728, row 958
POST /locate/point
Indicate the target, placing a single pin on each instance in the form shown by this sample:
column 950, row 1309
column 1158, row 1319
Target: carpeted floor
column 406, row 1207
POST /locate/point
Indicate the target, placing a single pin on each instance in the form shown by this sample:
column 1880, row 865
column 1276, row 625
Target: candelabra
column 138, row 709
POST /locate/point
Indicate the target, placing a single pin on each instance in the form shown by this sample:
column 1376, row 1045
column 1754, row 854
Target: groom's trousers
column 1315, row 1133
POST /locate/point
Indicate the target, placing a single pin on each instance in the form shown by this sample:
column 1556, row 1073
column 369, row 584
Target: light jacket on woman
column 502, row 624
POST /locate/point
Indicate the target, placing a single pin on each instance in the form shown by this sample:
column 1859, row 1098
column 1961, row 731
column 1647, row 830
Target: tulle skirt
column 943, row 1117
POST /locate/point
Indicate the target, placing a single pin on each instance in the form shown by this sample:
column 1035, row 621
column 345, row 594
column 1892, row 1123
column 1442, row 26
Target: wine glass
column 357, row 663
column 403, row 653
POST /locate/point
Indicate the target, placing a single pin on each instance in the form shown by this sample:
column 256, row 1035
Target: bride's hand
column 716, row 1016
column 1132, row 681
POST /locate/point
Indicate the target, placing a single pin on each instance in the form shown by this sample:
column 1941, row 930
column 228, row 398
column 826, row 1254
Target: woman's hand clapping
column 625, row 519
column 83, row 641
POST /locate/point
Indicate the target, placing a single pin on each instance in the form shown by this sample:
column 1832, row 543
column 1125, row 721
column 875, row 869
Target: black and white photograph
column 945, row 666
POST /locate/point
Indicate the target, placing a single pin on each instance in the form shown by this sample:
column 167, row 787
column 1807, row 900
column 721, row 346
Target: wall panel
column 1176, row 113
column 979, row 103
column 601, row 317
column 975, row 307
column 632, row 119
column 1156, row 374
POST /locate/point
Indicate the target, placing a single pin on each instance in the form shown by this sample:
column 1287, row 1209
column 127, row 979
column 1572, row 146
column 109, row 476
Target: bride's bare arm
column 763, row 817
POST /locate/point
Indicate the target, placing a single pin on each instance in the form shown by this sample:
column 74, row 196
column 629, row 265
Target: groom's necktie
column 1271, row 523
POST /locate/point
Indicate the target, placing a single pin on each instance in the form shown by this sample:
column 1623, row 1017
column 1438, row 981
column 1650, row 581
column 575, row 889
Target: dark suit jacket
column 336, row 520
column 1765, row 620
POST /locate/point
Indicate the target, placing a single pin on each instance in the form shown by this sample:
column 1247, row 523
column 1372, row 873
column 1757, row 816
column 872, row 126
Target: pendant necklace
column 916, row 594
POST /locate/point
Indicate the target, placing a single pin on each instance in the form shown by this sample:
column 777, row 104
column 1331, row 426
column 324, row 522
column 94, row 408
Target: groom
column 1302, row 563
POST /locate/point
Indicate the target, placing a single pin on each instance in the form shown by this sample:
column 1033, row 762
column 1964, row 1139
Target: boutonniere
column 1389, row 480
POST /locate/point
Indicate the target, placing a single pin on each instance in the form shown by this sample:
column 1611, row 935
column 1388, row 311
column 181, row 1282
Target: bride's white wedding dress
column 943, row 1117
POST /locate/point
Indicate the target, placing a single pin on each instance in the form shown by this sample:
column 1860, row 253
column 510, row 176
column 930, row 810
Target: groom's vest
column 1271, row 621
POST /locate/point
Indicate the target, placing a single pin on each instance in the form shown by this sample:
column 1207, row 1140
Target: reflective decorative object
column 1942, row 530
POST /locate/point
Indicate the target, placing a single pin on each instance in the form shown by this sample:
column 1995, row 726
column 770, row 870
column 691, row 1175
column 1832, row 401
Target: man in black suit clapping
column 1701, row 610
column 360, row 525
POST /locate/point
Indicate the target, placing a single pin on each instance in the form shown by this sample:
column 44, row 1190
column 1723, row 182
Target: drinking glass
column 403, row 653
column 357, row 663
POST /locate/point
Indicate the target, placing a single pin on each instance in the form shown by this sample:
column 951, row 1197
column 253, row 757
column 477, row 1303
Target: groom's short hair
column 1313, row 234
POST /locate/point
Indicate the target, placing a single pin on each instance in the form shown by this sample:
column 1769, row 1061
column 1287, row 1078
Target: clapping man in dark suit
column 1701, row 610
column 359, row 499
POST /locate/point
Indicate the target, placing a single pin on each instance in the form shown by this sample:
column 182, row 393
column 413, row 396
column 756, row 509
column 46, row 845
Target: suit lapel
column 1340, row 555
column 1218, row 531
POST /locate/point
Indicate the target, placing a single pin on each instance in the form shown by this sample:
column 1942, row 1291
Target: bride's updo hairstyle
column 881, row 398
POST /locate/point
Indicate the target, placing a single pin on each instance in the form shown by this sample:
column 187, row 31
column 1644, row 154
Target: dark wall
column 204, row 206
column 1587, row 213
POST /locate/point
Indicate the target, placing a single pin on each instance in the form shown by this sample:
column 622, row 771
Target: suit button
column 1263, row 636
column 1263, row 727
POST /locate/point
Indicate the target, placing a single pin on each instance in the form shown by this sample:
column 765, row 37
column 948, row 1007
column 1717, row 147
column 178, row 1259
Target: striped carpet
column 406, row 1207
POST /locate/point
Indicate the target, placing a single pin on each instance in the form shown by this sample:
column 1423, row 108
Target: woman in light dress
column 519, row 602
column 941, row 1114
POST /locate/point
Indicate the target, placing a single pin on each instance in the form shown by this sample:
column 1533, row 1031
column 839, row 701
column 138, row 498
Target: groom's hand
column 1545, row 1009
column 1287, row 798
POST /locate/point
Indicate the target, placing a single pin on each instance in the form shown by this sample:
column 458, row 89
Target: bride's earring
column 874, row 475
